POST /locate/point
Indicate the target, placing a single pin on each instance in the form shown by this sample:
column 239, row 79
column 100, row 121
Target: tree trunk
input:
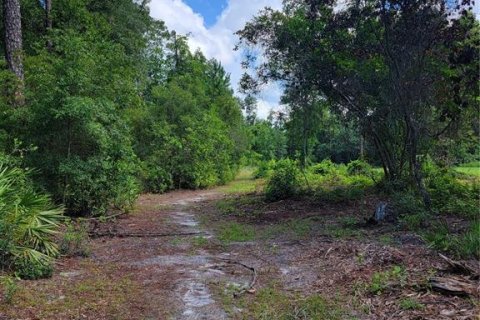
column 48, row 15
column 13, row 45
column 48, row 21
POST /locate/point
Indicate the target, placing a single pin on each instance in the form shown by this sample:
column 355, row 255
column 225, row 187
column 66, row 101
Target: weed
column 75, row 240
column 298, row 228
column 10, row 288
column 271, row 303
column 410, row 304
column 464, row 246
column 29, row 269
column 199, row 242
column 386, row 239
column 348, row 222
column 236, row 232
column 337, row 231
column 226, row 207
column 381, row 281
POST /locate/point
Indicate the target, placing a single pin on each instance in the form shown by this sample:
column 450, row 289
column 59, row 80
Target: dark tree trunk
column 48, row 21
column 48, row 15
column 415, row 165
column 13, row 45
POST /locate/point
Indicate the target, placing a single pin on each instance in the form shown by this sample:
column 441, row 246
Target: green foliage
column 10, row 288
column 332, row 182
column 382, row 281
column 449, row 194
column 115, row 105
column 284, row 182
column 29, row 269
column 28, row 224
column 411, row 304
column 359, row 167
column 325, row 167
column 268, row 140
column 264, row 169
column 465, row 245
column 74, row 240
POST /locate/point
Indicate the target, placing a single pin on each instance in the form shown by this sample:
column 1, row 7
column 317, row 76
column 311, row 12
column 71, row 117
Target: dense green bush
column 359, row 167
column 325, row 167
column 264, row 169
column 284, row 182
column 28, row 223
column 449, row 195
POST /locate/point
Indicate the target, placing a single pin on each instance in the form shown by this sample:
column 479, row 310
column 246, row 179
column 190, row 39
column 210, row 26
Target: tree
column 385, row 65
column 13, row 45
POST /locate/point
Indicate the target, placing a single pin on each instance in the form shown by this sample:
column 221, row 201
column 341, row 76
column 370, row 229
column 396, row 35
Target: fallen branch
column 102, row 218
column 453, row 286
column 141, row 235
column 460, row 267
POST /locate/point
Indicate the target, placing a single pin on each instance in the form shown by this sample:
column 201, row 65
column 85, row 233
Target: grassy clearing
column 244, row 183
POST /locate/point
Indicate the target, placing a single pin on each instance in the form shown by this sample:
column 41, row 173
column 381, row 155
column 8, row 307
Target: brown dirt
column 177, row 278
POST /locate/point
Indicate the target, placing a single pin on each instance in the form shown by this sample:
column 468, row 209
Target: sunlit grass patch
column 244, row 183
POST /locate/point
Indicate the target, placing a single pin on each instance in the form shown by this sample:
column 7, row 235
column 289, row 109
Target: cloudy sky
column 212, row 24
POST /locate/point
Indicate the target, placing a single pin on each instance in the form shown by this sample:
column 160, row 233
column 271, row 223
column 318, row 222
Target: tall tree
column 13, row 44
column 386, row 64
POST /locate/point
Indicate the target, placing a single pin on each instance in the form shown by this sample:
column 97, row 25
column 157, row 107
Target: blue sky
column 209, row 9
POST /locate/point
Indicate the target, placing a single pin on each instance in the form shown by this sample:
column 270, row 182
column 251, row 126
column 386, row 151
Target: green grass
column 411, row 304
column 297, row 228
column 382, row 281
column 199, row 242
column 235, row 232
column 243, row 183
column 271, row 303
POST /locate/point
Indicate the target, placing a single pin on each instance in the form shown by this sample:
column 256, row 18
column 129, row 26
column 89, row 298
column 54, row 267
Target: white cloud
column 219, row 40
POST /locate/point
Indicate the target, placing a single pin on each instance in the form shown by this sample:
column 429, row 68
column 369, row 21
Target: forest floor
column 309, row 261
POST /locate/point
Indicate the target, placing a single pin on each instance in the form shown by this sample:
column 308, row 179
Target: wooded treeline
column 402, row 74
column 103, row 102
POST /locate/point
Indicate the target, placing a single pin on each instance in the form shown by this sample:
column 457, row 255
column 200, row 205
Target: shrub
column 29, row 269
column 359, row 167
column 466, row 245
column 284, row 182
column 28, row 223
column 75, row 240
column 264, row 169
column 325, row 167
column 448, row 194
column 9, row 288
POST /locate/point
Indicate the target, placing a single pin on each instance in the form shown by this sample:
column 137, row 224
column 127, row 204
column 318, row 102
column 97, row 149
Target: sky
column 211, row 25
